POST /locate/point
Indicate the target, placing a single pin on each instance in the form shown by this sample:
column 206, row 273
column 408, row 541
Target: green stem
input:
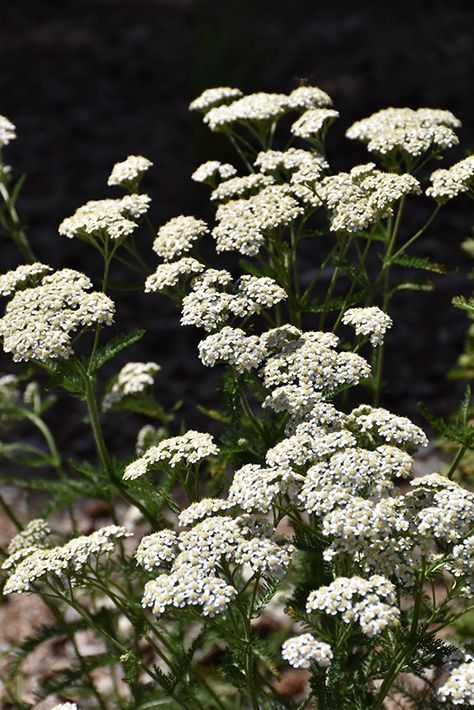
column 13, row 226
column 457, row 460
column 385, row 276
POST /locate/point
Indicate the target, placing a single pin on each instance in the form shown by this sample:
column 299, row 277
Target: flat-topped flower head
column 56, row 560
column 369, row 602
column 308, row 97
column 157, row 548
column 302, row 165
column 243, row 224
column 459, row 688
column 254, row 108
column 254, row 294
column 171, row 273
column 178, row 236
column 406, row 132
column 301, row 651
column 238, row 187
column 381, row 423
column 189, row 448
column 447, row 183
column 368, row 322
column 214, row 97
column 364, row 196
column 312, row 122
column 100, row 219
column 133, row 378
column 35, row 533
column 39, row 322
column 204, row 508
column 213, row 171
column 234, row 347
column 22, row 276
column 66, row 706
column 254, row 488
column 129, row 172
column 7, row 131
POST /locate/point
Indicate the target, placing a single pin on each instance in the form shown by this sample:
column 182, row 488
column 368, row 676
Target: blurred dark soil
column 88, row 82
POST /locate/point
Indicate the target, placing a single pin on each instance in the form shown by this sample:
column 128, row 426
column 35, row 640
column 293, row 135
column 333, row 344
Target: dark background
column 91, row 81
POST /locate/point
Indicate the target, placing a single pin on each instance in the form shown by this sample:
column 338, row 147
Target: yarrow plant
column 303, row 505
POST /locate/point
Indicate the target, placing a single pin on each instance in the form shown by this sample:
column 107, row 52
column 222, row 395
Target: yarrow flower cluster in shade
column 39, row 322
column 129, row 172
column 133, row 378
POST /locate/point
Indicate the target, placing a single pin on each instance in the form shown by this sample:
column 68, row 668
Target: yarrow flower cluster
column 56, row 560
column 208, row 307
column 129, row 172
column 238, row 187
column 34, row 534
column 312, row 122
column 213, row 171
column 369, row 602
column 7, row 131
column 301, row 651
column 232, row 346
column 362, row 197
column 195, row 576
column 178, row 235
column 459, row 688
column 101, row 219
column 392, row 429
column 190, row 448
column 447, row 183
column 253, row 108
column 370, row 322
column 39, row 322
column 171, row 273
column 242, row 224
column 214, row 97
column 405, row 131
column 133, row 378
column 24, row 275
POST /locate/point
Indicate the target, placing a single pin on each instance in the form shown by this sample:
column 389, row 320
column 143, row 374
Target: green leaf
column 114, row 346
column 464, row 304
column 421, row 262
column 250, row 268
column 414, row 286
column 145, row 406
column 75, row 677
column 64, row 374
column 459, row 432
column 335, row 304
